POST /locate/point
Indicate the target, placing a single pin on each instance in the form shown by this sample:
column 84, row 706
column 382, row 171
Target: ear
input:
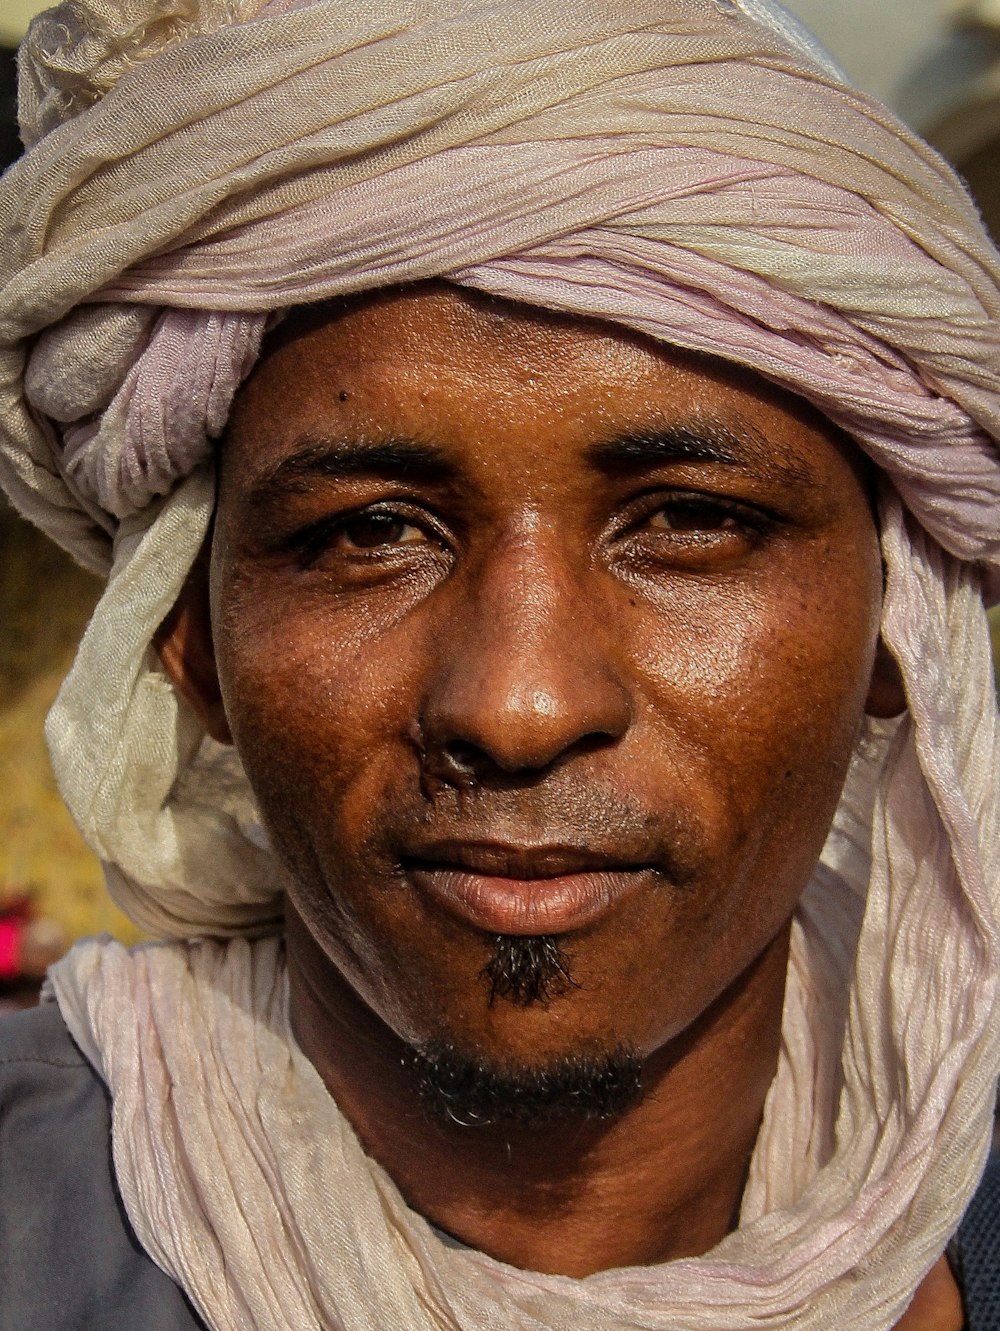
column 184, row 644
column 886, row 694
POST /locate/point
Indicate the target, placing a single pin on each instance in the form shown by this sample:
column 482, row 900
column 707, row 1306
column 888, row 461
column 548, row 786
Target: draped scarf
column 691, row 169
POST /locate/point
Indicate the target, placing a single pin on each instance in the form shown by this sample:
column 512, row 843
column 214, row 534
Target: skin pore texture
column 527, row 628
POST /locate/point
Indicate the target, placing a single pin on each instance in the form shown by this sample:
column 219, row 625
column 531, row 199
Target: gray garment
column 68, row 1258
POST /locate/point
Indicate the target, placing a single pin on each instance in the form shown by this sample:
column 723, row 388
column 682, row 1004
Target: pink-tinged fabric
column 619, row 270
column 688, row 168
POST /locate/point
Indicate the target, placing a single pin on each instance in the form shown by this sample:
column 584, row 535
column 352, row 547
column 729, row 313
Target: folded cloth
column 693, row 170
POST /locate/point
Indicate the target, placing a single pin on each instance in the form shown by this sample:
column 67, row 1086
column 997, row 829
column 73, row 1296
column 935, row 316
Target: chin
column 476, row 1090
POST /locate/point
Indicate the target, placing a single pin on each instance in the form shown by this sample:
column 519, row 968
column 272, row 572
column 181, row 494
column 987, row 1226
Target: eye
column 688, row 514
column 366, row 534
column 695, row 530
column 371, row 529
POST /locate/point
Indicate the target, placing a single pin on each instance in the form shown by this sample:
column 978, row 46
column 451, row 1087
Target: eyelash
column 720, row 515
column 723, row 518
column 313, row 541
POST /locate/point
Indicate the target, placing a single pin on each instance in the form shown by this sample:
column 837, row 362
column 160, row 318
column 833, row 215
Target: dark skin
column 490, row 592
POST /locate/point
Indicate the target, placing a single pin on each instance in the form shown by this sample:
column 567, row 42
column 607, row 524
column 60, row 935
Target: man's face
column 526, row 627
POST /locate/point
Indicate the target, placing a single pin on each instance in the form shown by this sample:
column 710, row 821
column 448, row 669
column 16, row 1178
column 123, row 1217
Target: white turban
column 692, row 169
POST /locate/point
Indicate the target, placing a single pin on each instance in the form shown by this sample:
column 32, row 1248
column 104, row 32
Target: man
column 506, row 686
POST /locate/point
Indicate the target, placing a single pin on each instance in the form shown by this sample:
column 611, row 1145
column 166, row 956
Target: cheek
column 752, row 703
column 794, row 645
column 319, row 711
column 319, row 703
column 757, row 691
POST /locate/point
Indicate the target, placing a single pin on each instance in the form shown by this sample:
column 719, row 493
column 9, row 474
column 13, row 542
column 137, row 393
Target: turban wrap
column 695, row 170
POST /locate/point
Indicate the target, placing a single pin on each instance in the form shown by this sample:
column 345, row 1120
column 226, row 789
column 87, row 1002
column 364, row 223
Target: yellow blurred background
column 45, row 601
column 14, row 18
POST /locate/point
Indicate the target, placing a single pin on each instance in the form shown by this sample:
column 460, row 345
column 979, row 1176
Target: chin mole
column 343, row 395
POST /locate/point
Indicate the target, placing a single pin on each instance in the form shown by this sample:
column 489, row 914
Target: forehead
column 470, row 372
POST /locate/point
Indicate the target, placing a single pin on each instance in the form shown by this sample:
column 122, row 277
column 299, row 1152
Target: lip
column 520, row 890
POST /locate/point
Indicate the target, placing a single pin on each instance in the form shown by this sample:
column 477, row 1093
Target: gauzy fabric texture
column 694, row 170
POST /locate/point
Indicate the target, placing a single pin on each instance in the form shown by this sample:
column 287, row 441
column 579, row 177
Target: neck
column 663, row 1180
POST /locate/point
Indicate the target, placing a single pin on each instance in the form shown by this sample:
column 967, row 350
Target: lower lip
column 528, row 906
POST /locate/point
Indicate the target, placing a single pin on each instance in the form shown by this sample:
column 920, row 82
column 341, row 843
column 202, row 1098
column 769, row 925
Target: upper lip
column 506, row 860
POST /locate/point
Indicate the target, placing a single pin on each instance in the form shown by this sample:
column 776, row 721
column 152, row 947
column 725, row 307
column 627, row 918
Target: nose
column 525, row 675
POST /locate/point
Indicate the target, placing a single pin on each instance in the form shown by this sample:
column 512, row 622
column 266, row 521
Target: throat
column 655, row 1171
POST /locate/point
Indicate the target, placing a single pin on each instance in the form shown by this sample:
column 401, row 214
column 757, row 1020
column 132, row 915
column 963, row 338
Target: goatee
column 527, row 970
column 470, row 1090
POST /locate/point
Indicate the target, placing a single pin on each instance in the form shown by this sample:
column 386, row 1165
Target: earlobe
column 886, row 692
column 184, row 644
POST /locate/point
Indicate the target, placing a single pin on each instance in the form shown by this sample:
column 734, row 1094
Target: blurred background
column 936, row 62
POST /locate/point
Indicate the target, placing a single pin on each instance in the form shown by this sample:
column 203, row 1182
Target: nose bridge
column 528, row 675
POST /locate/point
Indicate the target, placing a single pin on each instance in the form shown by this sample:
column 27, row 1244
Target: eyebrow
column 340, row 459
column 706, row 440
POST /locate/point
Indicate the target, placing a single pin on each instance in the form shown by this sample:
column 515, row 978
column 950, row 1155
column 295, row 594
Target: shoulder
column 974, row 1253
column 50, row 1098
column 35, row 1040
column 46, row 1088
column 68, row 1258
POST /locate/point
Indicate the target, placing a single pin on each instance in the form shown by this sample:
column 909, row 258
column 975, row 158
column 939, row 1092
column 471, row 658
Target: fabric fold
column 695, row 171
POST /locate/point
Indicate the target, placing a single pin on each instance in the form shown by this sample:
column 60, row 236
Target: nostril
column 463, row 754
column 462, row 762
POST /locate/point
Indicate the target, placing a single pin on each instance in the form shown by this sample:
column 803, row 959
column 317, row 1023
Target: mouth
column 524, row 890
